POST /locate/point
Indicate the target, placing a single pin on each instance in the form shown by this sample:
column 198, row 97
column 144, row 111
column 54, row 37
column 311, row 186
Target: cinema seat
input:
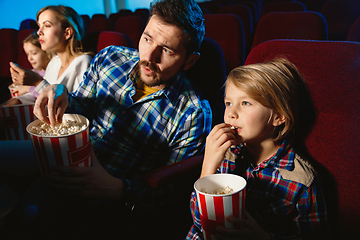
column 332, row 71
column 132, row 26
column 228, row 31
column 290, row 25
column 108, row 38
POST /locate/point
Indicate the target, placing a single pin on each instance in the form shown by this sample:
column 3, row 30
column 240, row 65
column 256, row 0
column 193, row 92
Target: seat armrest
column 167, row 174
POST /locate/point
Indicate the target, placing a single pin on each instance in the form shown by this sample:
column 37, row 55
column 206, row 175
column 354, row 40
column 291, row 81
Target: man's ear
column 68, row 33
column 191, row 60
column 278, row 119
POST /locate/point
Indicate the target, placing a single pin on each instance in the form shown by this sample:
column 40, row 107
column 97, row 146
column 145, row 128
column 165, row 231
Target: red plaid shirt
column 283, row 194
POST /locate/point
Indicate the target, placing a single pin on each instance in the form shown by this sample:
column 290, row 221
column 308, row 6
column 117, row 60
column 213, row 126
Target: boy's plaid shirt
column 285, row 208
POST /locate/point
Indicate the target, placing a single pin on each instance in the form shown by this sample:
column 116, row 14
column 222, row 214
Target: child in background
column 38, row 59
column 60, row 32
column 284, row 198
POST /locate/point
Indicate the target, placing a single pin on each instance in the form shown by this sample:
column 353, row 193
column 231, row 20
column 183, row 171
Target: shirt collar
column 171, row 91
column 283, row 158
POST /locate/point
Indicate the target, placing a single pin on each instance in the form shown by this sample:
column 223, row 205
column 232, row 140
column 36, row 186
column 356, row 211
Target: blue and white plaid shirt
column 130, row 138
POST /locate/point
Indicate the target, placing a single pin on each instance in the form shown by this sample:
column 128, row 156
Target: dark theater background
column 321, row 37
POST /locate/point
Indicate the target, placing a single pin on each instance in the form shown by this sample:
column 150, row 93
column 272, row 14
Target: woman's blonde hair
column 68, row 17
column 274, row 85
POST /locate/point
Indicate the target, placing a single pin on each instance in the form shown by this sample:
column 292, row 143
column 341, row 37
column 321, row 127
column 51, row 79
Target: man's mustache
column 152, row 66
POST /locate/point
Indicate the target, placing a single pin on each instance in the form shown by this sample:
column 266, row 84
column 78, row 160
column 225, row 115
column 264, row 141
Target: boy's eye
column 227, row 104
column 245, row 103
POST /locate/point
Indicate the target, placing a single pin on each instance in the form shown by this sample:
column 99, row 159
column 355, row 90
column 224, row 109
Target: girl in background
column 38, row 59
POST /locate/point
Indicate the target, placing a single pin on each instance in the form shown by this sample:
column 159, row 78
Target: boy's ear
column 278, row 120
column 190, row 61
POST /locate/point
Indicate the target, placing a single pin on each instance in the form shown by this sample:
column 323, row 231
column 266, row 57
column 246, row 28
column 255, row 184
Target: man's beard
column 156, row 74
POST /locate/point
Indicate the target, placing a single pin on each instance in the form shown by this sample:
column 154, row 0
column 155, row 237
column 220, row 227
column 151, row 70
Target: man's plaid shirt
column 130, row 138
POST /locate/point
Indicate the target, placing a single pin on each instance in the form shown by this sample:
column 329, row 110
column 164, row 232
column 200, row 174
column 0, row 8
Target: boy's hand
column 246, row 228
column 220, row 139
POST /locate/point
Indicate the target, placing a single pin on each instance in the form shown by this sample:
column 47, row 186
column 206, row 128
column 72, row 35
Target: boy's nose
column 232, row 115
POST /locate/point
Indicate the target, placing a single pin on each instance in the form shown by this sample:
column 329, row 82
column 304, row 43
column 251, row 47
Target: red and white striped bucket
column 215, row 208
column 66, row 150
column 14, row 120
column 13, row 90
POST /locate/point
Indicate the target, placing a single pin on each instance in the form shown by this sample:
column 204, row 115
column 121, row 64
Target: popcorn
column 67, row 127
column 221, row 191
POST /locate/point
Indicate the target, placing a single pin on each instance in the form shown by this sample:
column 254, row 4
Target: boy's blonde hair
column 274, row 85
column 68, row 18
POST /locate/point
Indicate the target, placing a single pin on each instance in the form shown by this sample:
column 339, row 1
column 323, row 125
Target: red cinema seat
column 132, row 26
column 340, row 15
column 282, row 7
column 98, row 24
column 247, row 19
column 290, row 25
column 8, row 49
column 228, row 31
column 108, row 38
column 354, row 32
column 332, row 71
column 21, row 56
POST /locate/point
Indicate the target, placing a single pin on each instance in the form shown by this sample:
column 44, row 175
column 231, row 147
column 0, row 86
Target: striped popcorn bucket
column 13, row 90
column 14, row 120
column 214, row 208
column 64, row 150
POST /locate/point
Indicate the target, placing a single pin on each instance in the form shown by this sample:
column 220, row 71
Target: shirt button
column 123, row 112
column 112, row 131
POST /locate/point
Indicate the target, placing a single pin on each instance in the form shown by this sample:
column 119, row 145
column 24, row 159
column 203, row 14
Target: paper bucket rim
column 17, row 105
column 61, row 136
column 221, row 195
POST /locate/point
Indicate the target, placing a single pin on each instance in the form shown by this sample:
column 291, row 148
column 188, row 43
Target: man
column 144, row 113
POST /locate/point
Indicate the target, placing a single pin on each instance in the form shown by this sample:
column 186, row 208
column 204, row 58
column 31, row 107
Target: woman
column 60, row 32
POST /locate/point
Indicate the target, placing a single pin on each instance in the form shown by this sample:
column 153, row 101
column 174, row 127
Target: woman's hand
column 23, row 76
column 220, row 139
column 244, row 229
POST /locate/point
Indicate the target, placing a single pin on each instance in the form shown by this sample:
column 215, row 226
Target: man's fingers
column 39, row 110
column 51, row 108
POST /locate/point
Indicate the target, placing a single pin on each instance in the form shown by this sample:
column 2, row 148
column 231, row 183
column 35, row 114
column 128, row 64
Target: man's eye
column 168, row 51
column 147, row 39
